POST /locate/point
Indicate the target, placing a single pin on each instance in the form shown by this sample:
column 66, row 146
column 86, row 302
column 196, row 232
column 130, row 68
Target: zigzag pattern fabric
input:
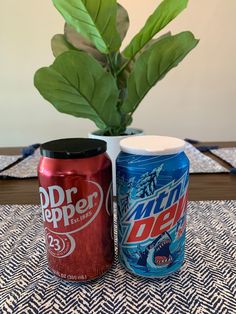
column 206, row 284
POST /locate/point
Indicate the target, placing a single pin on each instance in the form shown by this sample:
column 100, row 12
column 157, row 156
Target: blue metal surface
column 151, row 199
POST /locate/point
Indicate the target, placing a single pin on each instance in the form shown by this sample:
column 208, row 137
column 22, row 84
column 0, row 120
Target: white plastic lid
column 152, row 145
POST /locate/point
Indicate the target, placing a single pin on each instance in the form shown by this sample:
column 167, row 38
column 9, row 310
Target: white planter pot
column 113, row 147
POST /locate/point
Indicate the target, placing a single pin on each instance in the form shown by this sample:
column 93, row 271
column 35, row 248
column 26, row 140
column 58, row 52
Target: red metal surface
column 76, row 198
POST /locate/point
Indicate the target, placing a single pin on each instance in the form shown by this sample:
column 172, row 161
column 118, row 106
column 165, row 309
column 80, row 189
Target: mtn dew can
column 152, row 191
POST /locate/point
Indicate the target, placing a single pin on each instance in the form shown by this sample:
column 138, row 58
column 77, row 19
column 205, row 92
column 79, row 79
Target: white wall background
column 195, row 100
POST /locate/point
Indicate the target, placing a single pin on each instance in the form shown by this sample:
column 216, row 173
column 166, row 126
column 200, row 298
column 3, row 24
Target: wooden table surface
column 202, row 186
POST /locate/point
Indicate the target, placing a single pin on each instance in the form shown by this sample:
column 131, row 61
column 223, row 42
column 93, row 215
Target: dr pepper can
column 75, row 179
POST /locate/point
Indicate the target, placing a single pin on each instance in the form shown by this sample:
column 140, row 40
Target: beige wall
column 196, row 100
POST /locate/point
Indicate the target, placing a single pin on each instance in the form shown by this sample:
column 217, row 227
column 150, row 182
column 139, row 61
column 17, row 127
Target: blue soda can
column 152, row 190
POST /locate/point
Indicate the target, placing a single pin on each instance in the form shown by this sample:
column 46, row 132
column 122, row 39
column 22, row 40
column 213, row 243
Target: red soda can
column 75, row 178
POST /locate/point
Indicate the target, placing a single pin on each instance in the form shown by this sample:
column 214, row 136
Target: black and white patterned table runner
column 206, row 284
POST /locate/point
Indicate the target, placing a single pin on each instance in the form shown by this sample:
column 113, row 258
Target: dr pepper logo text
column 71, row 210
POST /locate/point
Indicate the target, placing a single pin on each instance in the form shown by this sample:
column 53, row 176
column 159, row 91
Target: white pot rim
column 129, row 131
column 113, row 146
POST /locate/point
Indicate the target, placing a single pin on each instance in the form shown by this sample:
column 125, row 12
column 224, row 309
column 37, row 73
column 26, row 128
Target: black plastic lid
column 73, row 148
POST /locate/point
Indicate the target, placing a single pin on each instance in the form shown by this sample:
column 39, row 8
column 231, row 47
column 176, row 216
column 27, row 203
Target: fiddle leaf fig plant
column 92, row 78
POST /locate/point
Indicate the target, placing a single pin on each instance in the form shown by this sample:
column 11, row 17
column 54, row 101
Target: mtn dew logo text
column 150, row 217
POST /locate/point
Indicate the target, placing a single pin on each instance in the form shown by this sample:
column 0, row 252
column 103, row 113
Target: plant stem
column 123, row 67
column 112, row 67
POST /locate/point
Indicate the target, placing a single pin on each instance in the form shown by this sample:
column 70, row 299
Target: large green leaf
column 164, row 13
column 95, row 20
column 123, row 75
column 83, row 44
column 154, row 64
column 122, row 21
column 59, row 45
column 77, row 84
column 149, row 44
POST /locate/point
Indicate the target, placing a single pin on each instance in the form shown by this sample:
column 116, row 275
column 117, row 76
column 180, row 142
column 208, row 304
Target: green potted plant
column 91, row 78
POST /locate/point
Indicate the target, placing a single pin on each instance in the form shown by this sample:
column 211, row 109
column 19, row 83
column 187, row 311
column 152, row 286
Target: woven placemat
column 205, row 284
column 6, row 161
column 227, row 154
column 27, row 168
column 200, row 163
